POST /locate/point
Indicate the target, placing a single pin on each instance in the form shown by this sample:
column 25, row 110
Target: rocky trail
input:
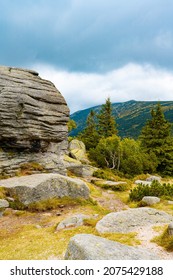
column 145, row 235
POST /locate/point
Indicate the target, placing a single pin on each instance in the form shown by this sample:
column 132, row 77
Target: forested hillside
column 130, row 116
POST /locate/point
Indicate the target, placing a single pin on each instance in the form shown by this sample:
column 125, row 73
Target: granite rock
column 91, row 247
column 39, row 187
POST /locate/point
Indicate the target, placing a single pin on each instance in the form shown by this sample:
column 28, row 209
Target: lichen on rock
column 33, row 121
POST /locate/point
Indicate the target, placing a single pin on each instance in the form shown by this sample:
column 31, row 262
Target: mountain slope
column 130, row 116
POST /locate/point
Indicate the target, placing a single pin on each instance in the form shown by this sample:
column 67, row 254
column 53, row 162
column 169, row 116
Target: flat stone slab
column 143, row 182
column 154, row 178
column 73, row 221
column 91, row 247
column 39, row 187
column 129, row 220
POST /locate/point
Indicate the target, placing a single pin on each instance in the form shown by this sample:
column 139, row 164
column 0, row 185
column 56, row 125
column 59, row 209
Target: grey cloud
column 88, row 36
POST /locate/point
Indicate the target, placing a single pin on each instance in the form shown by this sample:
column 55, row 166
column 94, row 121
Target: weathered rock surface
column 90, row 247
column 38, row 187
column 150, row 200
column 4, row 203
column 143, row 182
column 82, row 170
column 77, row 151
column 110, row 184
column 73, row 221
column 130, row 220
column 154, row 178
column 33, row 121
column 170, row 229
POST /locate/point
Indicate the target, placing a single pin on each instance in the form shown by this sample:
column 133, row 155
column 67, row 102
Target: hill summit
column 130, row 116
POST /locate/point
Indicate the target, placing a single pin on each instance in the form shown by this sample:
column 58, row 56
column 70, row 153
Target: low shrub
column 155, row 189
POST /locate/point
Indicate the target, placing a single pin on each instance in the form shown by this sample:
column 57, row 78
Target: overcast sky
column 92, row 49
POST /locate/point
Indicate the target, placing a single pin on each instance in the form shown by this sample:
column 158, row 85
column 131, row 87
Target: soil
column 108, row 200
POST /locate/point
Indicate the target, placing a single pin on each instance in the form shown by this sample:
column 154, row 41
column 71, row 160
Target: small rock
column 170, row 229
column 143, row 182
column 11, row 199
column 74, row 221
column 170, row 202
column 58, row 214
column 4, row 203
column 150, row 200
column 153, row 178
column 38, row 226
column 61, row 206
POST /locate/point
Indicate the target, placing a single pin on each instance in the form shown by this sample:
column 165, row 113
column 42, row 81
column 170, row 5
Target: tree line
column 152, row 152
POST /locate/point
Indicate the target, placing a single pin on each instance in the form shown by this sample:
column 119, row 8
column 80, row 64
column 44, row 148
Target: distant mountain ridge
column 130, row 116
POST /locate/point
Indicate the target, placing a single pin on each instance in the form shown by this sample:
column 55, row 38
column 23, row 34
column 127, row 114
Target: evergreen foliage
column 89, row 135
column 106, row 121
column 71, row 125
column 156, row 139
column 155, row 189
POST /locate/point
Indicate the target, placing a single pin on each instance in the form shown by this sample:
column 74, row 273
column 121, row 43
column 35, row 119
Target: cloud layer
column 86, row 36
column 133, row 81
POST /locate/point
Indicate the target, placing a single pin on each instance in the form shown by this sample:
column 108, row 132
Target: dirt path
column 146, row 234
column 109, row 200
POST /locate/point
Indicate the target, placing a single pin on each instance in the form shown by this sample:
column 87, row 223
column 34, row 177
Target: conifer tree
column 90, row 135
column 106, row 121
column 156, row 138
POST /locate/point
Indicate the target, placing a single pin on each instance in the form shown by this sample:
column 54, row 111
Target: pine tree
column 156, row 139
column 90, row 135
column 106, row 121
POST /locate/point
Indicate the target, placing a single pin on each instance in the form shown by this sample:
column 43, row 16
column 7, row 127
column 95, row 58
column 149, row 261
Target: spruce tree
column 90, row 135
column 106, row 121
column 156, row 139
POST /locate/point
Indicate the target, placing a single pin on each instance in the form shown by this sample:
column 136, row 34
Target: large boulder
column 39, row 187
column 77, row 150
column 90, row 247
column 130, row 220
column 33, row 121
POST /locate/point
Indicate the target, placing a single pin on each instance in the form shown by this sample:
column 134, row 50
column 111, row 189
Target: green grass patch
column 164, row 240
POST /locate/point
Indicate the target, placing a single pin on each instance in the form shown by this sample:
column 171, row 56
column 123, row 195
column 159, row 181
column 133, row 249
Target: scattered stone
column 58, row 214
column 150, row 200
column 11, row 199
column 170, row 229
column 61, row 206
column 82, row 170
column 33, row 122
column 39, row 187
column 154, row 178
column 110, row 184
column 130, row 220
column 170, row 202
column 74, row 221
column 143, row 182
column 78, row 151
column 4, row 203
column 38, row 226
column 90, row 247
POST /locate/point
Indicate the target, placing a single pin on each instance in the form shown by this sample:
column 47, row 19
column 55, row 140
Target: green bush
column 155, row 189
